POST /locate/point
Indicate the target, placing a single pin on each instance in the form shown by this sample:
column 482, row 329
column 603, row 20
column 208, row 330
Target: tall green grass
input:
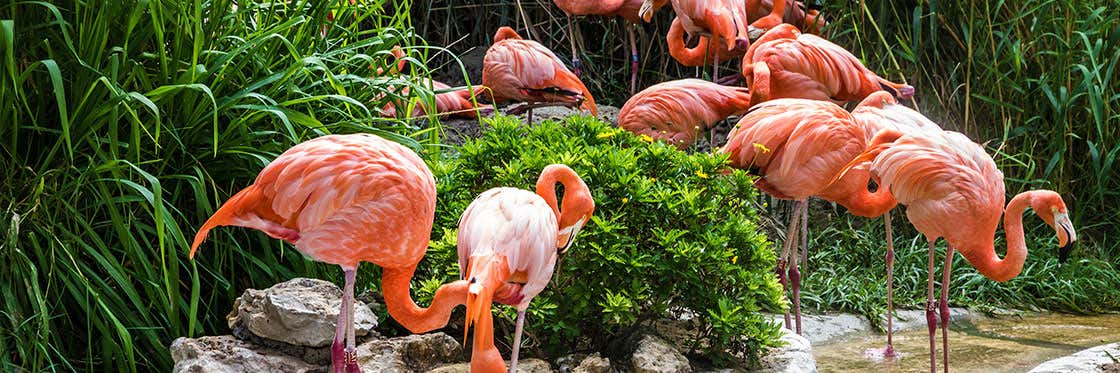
column 125, row 123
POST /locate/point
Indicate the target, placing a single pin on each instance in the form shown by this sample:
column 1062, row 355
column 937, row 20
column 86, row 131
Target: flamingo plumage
column 627, row 9
column 807, row 21
column 509, row 240
column 448, row 102
column 676, row 111
column 342, row 200
column 952, row 189
column 515, row 69
column 798, row 146
column 721, row 21
column 785, row 63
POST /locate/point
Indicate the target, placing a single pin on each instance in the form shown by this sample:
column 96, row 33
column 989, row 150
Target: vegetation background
column 125, row 123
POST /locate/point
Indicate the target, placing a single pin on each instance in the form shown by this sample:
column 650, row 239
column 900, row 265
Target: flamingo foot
column 352, row 361
column 882, row 354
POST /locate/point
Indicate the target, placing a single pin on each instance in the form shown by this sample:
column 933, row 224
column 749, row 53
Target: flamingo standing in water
column 798, row 146
column 515, row 69
column 676, row 111
column 509, row 240
column 952, row 189
column 344, row 199
column 627, row 9
column 785, row 63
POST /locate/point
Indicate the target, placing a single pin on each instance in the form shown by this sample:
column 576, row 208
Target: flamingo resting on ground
column 521, row 70
column 676, row 111
column 448, row 102
column 509, row 240
column 877, row 112
column 344, row 199
column 785, row 63
column 952, row 189
column 798, row 146
column 627, row 9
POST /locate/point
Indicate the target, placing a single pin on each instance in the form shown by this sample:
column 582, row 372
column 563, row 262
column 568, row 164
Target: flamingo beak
column 646, row 11
column 568, row 235
column 1066, row 235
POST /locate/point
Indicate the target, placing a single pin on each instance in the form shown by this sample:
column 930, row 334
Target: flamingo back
column 519, row 225
column 796, row 145
column 942, row 178
column 676, row 111
column 524, row 70
column 342, row 199
column 880, row 111
column 452, row 103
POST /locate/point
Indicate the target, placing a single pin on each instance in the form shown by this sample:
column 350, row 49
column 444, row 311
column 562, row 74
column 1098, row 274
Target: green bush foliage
column 670, row 235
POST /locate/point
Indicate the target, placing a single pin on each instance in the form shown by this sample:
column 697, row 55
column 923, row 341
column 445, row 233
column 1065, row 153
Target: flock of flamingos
column 343, row 199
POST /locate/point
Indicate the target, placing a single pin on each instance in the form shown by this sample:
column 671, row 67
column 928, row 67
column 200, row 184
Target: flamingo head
column 649, row 7
column 486, row 274
column 1052, row 209
column 576, row 207
column 505, row 32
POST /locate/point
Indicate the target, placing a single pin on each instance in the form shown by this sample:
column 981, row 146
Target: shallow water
column 1009, row 344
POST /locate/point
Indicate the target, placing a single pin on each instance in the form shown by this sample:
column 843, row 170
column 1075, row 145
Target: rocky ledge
column 1104, row 358
column 290, row 326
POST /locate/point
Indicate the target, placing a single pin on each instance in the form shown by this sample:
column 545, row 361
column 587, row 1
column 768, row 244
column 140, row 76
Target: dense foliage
column 124, row 123
column 670, row 236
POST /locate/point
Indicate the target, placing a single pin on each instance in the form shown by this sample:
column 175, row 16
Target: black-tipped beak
column 1063, row 252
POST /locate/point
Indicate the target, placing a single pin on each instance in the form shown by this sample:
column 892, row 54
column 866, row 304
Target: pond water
column 1008, row 344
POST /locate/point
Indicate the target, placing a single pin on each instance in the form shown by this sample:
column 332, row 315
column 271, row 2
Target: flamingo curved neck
column 546, row 188
column 851, row 192
column 398, row 300
column 984, row 257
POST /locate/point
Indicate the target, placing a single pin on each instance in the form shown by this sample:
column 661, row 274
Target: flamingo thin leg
column 516, row 341
column 931, row 313
column 575, row 54
column 944, row 305
column 338, row 348
column 633, row 58
column 794, row 270
column 889, row 352
column 783, row 260
column 351, row 354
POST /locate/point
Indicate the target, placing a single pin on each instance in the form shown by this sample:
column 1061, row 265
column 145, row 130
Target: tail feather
column 224, row 216
column 589, row 102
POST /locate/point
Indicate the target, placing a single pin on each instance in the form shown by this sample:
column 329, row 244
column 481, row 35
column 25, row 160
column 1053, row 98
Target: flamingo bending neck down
column 515, row 69
column 676, row 111
column 509, row 240
column 953, row 190
column 344, row 199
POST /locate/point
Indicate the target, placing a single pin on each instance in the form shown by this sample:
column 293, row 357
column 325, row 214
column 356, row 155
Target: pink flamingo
column 515, row 69
column 952, row 189
column 344, row 199
column 677, row 110
column 627, row 9
column 509, row 240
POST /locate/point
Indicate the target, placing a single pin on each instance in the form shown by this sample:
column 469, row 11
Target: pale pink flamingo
column 509, row 240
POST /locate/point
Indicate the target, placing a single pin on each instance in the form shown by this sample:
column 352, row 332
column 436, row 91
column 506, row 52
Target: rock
column 655, row 355
column 300, row 312
column 593, row 364
column 228, row 354
column 1097, row 359
column 828, row 327
column 796, row 355
column 410, row 353
column 523, row 365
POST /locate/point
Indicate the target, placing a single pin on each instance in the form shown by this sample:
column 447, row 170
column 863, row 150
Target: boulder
column 655, row 355
column 1097, row 359
column 409, row 353
column 593, row 364
column 523, row 365
column 299, row 312
column 228, row 354
column 796, row 355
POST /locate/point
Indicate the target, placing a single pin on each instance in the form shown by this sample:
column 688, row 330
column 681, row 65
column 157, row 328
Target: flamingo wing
column 517, row 224
column 675, row 111
column 524, row 70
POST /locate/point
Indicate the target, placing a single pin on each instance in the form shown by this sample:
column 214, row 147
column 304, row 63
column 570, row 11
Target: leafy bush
column 670, row 236
column 125, row 123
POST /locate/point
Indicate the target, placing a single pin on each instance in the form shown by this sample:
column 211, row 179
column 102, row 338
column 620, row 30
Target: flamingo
column 344, row 199
column 953, row 190
column 720, row 20
column 627, row 9
column 762, row 13
column 785, row 63
column 797, row 146
column 515, row 69
column 508, row 241
column 448, row 102
column 675, row 111
column 877, row 112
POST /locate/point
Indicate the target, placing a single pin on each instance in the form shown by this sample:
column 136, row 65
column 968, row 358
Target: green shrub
column 124, row 124
column 670, row 235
